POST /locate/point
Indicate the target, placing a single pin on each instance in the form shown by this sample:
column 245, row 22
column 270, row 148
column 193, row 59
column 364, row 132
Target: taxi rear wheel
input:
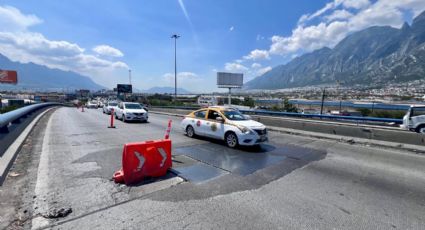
column 231, row 140
column 190, row 132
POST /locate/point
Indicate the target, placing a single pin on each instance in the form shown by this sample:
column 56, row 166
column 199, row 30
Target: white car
column 225, row 124
column 129, row 111
column 414, row 120
column 108, row 106
column 92, row 105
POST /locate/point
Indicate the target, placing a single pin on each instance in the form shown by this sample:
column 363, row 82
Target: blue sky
column 103, row 39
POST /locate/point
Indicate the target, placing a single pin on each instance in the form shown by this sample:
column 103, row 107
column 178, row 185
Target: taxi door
column 198, row 122
column 214, row 128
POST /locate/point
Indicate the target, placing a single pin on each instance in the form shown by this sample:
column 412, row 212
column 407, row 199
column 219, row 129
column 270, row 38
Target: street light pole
column 129, row 76
column 323, row 100
column 175, row 36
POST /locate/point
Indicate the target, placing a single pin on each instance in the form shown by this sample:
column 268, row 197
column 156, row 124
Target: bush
column 289, row 107
column 382, row 113
column 8, row 109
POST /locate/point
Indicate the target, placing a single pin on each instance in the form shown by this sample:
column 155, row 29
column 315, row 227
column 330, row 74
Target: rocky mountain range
column 374, row 56
column 41, row 78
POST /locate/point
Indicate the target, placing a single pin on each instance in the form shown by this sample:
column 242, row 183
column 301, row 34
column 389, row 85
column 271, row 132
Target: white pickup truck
column 414, row 120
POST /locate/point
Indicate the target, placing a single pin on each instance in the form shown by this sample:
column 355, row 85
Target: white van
column 414, row 120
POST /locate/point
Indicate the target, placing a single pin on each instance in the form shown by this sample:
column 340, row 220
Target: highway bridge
column 61, row 178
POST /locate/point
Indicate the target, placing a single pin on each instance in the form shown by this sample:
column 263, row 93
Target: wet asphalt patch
column 201, row 163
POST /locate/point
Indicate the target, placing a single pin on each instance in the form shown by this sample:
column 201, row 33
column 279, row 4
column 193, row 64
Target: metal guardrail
column 289, row 114
column 7, row 118
column 330, row 117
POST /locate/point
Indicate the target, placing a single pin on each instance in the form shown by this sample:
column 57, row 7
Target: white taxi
column 226, row 124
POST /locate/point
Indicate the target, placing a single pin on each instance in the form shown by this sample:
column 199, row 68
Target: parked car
column 130, row 111
column 226, row 124
column 108, row 106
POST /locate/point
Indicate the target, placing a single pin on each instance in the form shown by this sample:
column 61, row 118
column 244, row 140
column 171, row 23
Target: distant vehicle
column 226, row 124
column 108, row 106
column 205, row 101
column 414, row 120
column 130, row 111
column 91, row 105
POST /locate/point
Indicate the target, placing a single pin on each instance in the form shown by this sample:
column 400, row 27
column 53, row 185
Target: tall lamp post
column 129, row 76
column 175, row 36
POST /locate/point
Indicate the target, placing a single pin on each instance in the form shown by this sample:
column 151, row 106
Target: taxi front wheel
column 231, row 140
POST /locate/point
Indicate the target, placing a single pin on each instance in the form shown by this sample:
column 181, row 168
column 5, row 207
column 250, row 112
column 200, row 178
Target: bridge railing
column 300, row 115
column 15, row 115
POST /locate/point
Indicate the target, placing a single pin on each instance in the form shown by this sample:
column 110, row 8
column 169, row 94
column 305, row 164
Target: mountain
column 374, row 56
column 41, row 78
column 169, row 90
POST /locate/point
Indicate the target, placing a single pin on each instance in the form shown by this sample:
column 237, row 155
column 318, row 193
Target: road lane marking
column 42, row 183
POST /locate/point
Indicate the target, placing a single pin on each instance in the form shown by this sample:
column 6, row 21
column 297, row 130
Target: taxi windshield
column 112, row 104
column 234, row 115
column 133, row 106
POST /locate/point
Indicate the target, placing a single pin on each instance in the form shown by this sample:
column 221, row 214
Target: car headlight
column 245, row 130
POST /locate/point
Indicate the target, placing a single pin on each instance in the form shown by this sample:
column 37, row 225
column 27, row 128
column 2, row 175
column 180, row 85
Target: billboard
column 124, row 88
column 8, row 77
column 229, row 80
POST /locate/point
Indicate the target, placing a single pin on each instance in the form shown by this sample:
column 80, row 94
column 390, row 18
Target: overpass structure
column 61, row 177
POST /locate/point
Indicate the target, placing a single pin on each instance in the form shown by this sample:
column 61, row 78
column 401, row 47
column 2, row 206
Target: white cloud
column 259, row 37
column 256, row 65
column 183, row 78
column 235, row 67
column 22, row 45
column 182, row 75
column 106, row 50
column 338, row 14
column 231, row 28
column 307, row 17
column 356, row 4
column 263, row 70
column 339, row 23
column 11, row 19
column 257, row 54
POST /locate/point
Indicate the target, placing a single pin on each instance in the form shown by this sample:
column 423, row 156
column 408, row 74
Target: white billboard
column 229, row 80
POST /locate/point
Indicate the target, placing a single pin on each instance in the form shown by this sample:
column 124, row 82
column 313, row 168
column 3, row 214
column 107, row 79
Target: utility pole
column 323, row 100
column 175, row 36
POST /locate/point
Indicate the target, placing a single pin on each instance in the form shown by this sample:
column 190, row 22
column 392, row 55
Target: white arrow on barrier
column 141, row 161
column 164, row 156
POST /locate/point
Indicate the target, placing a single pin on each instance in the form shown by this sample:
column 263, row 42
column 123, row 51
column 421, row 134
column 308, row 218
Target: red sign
column 8, row 77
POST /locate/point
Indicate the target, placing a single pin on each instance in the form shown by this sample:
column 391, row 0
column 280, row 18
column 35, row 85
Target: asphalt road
column 292, row 182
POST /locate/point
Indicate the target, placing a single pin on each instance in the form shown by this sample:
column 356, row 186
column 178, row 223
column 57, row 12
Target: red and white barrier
column 144, row 159
column 112, row 119
column 167, row 132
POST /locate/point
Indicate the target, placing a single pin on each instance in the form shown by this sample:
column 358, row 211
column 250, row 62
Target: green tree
column 248, row 101
column 288, row 107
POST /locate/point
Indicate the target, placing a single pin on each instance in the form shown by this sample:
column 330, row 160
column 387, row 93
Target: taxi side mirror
column 219, row 119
